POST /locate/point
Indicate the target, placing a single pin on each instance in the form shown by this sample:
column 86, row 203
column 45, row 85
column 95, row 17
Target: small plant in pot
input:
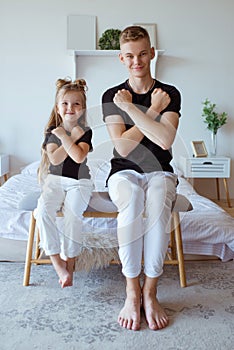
column 110, row 40
column 214, row 121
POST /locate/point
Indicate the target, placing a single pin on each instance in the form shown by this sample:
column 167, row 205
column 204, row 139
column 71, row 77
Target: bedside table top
column 208, row 157
column 205, row 167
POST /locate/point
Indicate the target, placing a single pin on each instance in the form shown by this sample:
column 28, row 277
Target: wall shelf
column 106, row 52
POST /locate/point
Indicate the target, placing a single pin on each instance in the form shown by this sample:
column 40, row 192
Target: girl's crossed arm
column 57, row 154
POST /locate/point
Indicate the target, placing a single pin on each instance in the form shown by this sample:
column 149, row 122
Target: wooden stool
column 102, row 200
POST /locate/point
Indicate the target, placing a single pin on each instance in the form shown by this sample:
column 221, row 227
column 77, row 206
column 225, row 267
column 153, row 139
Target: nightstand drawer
column 209, row 167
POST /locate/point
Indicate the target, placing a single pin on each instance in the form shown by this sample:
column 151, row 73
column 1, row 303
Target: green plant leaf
column 213, row 119
column 110, row 40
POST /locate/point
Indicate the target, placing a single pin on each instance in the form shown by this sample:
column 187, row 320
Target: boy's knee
column 127, row 193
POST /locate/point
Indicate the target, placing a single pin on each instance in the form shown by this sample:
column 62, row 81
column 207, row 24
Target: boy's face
column 136, row 56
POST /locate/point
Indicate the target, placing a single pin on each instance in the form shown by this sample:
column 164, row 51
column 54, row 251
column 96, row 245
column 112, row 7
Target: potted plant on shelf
column 214, row 121
column 110, row 40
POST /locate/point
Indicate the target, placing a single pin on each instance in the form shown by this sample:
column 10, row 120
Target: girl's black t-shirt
column 69, row 168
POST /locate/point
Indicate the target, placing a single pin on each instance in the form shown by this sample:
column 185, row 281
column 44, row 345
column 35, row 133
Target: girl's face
column 70, row 106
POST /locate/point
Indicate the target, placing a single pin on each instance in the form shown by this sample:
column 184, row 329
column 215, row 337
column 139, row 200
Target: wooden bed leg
column 227, row 192
column 217, row 188
column 179, row 246
column 28, row 262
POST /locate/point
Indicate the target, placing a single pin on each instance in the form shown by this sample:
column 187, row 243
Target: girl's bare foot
column 129, row 316
column 60, row 266
column 155, row 315
column 71, row 266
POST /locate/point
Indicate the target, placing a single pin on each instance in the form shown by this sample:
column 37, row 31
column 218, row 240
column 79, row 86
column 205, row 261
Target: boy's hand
column 159, row 100
column 122, row 99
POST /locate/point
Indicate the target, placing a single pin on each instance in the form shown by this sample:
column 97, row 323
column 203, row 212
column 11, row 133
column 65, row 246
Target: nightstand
column 4, row 166
column 208, row 167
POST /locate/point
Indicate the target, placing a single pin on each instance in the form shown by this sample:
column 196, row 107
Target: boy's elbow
column 165, row 146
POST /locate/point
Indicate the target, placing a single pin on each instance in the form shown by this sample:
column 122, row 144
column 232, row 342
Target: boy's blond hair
column 133, row 33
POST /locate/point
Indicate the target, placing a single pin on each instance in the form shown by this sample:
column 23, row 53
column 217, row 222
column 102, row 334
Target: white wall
column 197, row 37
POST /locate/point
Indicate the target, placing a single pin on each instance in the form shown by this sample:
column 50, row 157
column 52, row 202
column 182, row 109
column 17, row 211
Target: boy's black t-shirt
column 147, row 156
column 69, row 168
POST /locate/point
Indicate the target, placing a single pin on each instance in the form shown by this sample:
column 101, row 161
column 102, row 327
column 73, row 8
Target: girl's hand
column 59, row 132
column 76, row 133
column 122, row 99
column 159, row 100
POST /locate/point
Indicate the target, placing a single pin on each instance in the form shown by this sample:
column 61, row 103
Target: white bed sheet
column 14, row 222
column 206, row 230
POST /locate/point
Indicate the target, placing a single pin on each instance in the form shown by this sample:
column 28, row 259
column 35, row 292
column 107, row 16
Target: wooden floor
column 223, row 203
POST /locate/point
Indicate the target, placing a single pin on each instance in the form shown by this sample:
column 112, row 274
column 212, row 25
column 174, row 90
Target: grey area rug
column 44, row 316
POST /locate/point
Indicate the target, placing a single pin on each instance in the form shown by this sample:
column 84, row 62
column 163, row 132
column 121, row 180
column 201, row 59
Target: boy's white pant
column 73, row 197
column 136, row 194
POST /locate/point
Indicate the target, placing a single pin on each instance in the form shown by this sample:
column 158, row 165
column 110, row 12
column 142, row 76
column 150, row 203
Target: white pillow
column 29, row 201
column 31, row 169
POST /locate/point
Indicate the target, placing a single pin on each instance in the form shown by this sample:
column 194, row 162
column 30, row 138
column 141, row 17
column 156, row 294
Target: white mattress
column 206, row 230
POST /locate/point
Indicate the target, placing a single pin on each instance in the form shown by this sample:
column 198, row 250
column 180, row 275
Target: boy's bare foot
column 155, row 315
column 129, row 316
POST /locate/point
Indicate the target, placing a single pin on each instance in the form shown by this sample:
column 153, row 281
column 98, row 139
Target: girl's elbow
column 80, row 159
column 123, row 152
column 55, row 162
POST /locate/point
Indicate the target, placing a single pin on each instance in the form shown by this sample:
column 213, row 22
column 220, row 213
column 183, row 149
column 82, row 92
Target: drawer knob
column 207, row 163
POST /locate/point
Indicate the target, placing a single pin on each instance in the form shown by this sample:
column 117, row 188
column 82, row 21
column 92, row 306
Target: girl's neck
column 68, row 126
column 141, row 86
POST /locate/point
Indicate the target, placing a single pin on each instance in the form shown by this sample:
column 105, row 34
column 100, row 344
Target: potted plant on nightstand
column 214, row 121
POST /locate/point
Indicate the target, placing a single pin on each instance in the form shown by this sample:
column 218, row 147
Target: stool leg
column 28, row 259
column 172, row 242
column 179, row 246
column 37, row 249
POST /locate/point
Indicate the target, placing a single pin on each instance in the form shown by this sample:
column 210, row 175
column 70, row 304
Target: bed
column 207, row 230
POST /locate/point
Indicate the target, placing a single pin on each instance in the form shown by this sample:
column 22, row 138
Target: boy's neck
column 141, row 86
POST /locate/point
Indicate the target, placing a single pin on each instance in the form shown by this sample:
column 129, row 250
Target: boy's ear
column 121, row 58
column 152, row 52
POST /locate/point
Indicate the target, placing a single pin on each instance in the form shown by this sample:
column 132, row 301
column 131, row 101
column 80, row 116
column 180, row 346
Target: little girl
column 65, row 176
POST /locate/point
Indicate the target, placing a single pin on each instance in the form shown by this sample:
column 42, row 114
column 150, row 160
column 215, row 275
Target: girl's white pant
column 136, row 195
column 73, row 197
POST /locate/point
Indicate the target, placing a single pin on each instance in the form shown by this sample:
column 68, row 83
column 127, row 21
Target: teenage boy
column 142, row 116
